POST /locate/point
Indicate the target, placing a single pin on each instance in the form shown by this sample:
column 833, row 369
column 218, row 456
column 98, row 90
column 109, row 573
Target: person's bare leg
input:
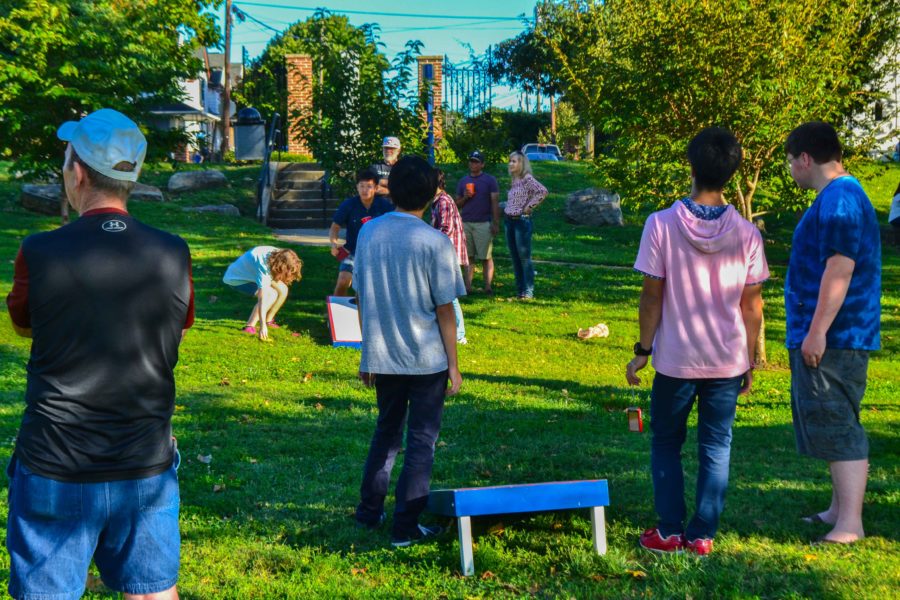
column 253, row 319
column 468, row 273
column 343, row 284
column 830, row 516
column 282, row 290
column 488, row 274
column 169, row 594
column 849, row 480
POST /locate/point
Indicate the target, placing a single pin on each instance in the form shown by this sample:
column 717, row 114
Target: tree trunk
column 746, row 201
column 552, row 119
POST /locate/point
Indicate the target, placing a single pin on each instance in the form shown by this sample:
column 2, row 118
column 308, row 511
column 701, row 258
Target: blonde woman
column 525, row 194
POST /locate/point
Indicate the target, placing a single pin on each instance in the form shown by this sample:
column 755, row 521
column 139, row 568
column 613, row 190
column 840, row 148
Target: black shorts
column 825, row 402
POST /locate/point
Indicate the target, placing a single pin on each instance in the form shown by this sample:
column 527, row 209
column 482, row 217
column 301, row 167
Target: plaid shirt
column 445, row 216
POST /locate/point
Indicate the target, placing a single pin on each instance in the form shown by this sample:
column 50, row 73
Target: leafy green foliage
column 571, row 130
column 496, row 132
column 653, row 73
column 528, row 62
column 358, row 95
column 63, row 58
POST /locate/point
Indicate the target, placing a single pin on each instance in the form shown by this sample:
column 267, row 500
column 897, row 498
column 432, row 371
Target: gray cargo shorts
column 825, row 402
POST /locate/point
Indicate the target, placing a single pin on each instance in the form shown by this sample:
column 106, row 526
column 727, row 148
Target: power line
column 385, row 14
column 243, row 15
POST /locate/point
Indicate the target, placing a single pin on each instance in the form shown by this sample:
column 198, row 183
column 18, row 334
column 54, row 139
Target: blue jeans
column 129, row 527
column 518, row 238
column 670, row 404
column 421, row 397
column 460, row 324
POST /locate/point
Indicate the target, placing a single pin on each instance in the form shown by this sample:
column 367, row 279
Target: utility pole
column 226, row 94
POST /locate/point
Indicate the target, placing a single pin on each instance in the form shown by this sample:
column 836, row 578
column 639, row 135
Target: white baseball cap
column 390, row 142
column 105, row 138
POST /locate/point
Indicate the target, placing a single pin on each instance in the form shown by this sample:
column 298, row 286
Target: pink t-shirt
column 706, row 265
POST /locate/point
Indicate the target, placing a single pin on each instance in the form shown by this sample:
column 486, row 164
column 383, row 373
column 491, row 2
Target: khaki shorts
column 479, row 241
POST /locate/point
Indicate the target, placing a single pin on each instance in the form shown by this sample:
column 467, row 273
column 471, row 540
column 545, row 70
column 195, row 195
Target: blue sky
column 445, row 27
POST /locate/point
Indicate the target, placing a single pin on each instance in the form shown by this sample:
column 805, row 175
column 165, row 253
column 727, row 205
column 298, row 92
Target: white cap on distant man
column 105, row 138
column 390, row 142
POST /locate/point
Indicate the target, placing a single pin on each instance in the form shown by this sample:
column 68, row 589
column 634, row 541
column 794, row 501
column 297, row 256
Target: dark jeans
column 518, row 238
column 670, row 405
column 422, row 397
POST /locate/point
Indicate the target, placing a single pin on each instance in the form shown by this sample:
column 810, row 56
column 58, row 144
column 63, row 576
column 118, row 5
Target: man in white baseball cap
column 106, row 300
column 390, row 147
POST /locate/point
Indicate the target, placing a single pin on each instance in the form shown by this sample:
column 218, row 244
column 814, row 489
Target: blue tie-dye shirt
column 840, row 221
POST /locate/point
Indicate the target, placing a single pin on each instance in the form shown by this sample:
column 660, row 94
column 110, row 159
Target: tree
column 527, row 62
column 359, row 95
column 60, row 59
column 652, row 73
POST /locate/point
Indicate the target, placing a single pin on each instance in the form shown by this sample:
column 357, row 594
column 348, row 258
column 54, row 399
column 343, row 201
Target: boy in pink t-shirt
column 700, row 314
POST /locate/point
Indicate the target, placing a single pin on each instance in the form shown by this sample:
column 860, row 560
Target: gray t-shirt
column 404, row 269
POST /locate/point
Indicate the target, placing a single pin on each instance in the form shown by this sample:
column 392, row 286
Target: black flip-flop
column 815, row 520
column 824, row 541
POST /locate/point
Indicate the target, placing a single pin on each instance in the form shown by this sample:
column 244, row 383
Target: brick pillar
column 299, row 102
column 437, row 88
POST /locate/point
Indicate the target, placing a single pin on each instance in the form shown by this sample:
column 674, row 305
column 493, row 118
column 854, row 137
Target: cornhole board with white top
column 465, row 503
column 343, row 321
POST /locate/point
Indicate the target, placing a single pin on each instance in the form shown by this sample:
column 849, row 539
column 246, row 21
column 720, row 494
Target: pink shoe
column 700, row 546
column 654, row 542
column 249, row 329
column 273, row 325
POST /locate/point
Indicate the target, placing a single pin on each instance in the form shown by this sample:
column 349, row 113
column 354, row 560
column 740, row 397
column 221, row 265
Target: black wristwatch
column 639, row 350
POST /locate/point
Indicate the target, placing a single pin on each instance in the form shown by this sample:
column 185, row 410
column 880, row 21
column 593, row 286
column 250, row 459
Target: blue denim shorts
column 245, row 288
column 346, row 265
column 129, row 527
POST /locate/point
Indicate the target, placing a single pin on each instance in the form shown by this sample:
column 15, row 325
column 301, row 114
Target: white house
column 199, row 113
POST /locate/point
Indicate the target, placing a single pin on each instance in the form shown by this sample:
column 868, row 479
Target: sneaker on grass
column 653, row 541
column 371, row 524
column 249, row 329
column 423, row 532
column 700, row 546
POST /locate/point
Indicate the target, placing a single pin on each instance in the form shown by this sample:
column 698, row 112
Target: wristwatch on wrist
column 640, row 351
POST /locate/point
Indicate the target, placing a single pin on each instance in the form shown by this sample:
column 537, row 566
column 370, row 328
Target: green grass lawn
column 288, row 426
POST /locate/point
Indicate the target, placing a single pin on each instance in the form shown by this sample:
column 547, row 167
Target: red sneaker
column 700, row 546
column 249, row 329
column 654, row 542
column 273, row 325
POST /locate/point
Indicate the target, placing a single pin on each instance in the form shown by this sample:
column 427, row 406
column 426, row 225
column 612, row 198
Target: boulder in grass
column 222, row 209
column 146, row 193
column 44, row 199
column 187, row 181
column 594, row 206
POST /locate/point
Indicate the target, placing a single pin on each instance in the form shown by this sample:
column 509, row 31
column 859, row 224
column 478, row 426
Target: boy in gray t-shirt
column 407, row 276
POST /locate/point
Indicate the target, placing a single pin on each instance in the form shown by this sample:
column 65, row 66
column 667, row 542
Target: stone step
column 294, row 167
column 329, row 205
column 279, row 194
column 298, row 223
column 298, row 184
column 298, row 176
column 298, row 213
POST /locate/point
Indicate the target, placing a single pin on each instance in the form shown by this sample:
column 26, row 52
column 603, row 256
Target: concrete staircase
column 297, row 202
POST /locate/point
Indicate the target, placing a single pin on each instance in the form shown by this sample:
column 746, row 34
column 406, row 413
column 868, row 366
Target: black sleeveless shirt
column 107, row 297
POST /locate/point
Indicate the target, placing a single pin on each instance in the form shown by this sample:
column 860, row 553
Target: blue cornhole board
column 343, row 322
column 465, row 503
